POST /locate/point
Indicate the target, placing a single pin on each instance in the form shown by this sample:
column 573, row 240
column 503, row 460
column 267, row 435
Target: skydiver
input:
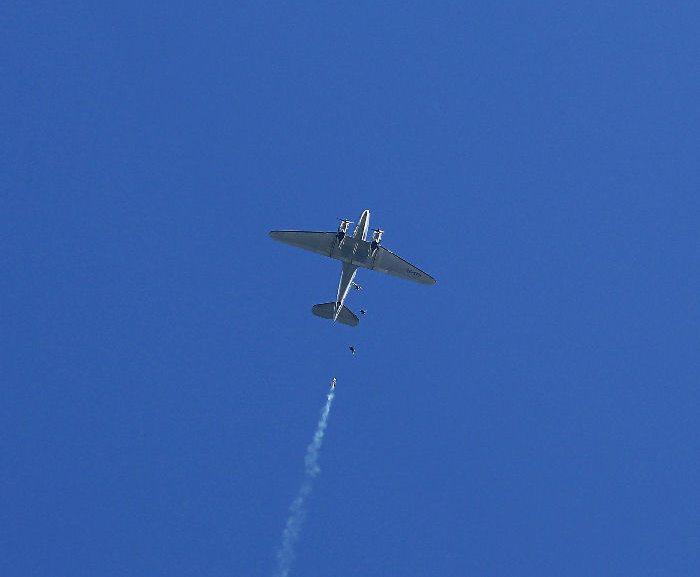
column 363, row 312
column 333, row 383
column 356, row 286
column 352, row 350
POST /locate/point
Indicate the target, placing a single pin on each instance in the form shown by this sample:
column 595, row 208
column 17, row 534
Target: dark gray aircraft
column 354, row 252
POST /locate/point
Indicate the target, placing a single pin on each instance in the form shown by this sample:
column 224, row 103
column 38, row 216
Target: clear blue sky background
column 534, row 413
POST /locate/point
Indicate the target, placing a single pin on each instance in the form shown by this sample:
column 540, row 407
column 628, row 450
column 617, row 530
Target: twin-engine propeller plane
column 354, row 252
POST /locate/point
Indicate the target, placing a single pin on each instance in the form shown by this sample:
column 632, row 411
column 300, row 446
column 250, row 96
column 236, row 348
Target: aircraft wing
column 382, row 260
column 387, row 262
column 318, row 242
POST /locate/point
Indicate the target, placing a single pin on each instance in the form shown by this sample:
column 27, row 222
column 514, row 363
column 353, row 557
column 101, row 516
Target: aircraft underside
column 354, row 252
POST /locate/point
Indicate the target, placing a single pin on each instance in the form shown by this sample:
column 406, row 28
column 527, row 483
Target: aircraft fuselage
column 345, row 250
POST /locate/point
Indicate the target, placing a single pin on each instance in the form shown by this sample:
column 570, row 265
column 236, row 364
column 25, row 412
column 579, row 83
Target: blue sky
column 534, row 413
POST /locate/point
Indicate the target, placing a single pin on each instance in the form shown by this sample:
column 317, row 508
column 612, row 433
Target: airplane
column 354, row 252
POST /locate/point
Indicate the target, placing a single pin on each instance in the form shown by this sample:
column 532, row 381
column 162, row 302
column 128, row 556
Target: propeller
column 345, row 220
column 376, row 238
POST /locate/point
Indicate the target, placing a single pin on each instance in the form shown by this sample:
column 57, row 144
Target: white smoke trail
column 297, row 510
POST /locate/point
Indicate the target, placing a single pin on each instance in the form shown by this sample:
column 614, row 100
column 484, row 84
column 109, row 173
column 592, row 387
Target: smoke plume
column 297, row 510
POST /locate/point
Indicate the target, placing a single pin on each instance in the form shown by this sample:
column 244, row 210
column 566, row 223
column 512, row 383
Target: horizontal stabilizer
column 326, row 310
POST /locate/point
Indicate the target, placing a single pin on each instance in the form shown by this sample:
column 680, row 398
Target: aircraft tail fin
column 326, row 310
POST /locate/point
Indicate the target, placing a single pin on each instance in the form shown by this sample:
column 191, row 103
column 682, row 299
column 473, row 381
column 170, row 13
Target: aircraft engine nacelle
column 377, row 238
column 343, row 229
